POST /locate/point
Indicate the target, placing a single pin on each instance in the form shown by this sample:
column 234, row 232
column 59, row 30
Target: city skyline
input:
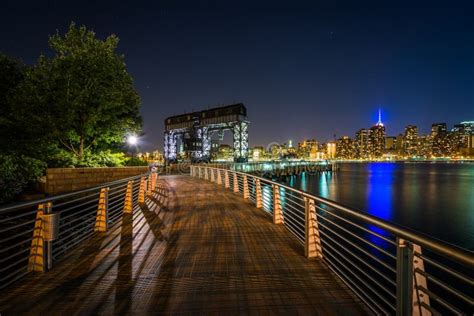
column 301, row 69
column 366, row 144
column 422, row 130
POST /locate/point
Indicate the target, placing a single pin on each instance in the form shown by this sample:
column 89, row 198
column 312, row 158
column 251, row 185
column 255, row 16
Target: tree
column 11, row 74
column 81, row 99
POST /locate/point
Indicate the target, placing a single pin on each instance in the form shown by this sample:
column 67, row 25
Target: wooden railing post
column 206, row 173
column 312, row 240
column 199, row 172
column 101, row 218
column 142, row 190
column 191, row 171
column 149, row 185
column 154, row 180
column 236, row 183
column 213, row 179
column 38, row 259
column 258, row 194
column 277, row 209
column 226, row 179
column 128, row 203
column 219, row 177
column 246, row 188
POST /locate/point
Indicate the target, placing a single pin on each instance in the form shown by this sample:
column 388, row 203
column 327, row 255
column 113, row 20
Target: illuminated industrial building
column 193, row 133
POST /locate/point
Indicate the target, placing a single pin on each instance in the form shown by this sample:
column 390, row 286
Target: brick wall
column 62, row 180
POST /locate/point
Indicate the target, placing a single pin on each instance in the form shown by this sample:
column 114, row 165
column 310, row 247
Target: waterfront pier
column 219, row 241
column 189, row 249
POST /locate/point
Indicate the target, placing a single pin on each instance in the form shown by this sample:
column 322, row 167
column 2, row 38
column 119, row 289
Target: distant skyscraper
column 464, row 130
column 390, row 143
column 438, row 138
column 344, row 148
column 361, row 144
column 438, row 129
column 410, row 141
column 376, row 139
column 425, row 146
column 466, row 127
column 306, row 147
column 331, row 150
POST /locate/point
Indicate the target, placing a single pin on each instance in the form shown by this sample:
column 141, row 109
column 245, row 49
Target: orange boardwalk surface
column 194, row 248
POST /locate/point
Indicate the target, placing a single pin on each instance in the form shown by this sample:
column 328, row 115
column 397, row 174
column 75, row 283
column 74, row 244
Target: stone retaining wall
column 62, row 180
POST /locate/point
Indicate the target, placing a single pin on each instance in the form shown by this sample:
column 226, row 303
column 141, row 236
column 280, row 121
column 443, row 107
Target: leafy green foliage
column 105, row 158
column 72, row 109
column 82, row 99
column 135, row 161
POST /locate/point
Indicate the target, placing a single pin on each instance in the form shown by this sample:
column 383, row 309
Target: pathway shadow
column 47, row 298
column 153, row 220
column 123, row 283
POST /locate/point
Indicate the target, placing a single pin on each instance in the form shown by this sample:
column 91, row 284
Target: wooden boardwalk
column 193, row 250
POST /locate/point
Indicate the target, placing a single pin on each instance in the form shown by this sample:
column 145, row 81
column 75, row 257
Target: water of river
column 436, row 199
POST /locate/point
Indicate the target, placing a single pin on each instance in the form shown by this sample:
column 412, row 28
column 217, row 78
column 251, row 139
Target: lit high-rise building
column 410, row 141
column 225, row 153
column 331, row 150
column 438, row 129
column 306, row 147
column 344, row 148
column 390, row 143
column 466, row 127
column 438, row 138
column 465, row 130
column 258, row 153
column 361, row 144
column 424, row 146
column 376, row 139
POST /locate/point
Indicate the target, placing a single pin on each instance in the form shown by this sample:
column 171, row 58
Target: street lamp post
column 132, row 140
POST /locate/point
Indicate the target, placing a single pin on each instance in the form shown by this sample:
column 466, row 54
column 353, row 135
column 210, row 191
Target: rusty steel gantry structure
column 195, row 130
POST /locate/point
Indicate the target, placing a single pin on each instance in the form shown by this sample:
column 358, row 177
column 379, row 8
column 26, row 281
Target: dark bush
column 16, row 174
column 134, row 161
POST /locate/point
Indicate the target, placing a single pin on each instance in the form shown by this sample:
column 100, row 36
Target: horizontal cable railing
column 392, row 269
column 33, row 235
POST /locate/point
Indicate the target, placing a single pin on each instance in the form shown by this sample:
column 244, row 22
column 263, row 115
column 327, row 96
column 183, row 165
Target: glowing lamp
column 132, row 140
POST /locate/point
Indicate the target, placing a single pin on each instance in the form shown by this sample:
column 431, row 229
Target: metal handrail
column 342, row 241
column 66, row 195
column 461, row 254
column 61, row 222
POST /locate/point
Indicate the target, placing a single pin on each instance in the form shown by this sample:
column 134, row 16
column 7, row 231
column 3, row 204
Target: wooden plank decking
column 195, row 249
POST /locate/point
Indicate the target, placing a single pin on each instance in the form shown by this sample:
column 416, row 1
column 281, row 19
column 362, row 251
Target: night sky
column 302, row 71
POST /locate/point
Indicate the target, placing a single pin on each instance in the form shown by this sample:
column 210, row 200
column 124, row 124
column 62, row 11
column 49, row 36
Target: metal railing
column 271, row 165
column 34, row 235
column 392, row 269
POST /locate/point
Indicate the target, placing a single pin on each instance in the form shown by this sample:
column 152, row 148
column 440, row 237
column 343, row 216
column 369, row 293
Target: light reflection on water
column 434, row 198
